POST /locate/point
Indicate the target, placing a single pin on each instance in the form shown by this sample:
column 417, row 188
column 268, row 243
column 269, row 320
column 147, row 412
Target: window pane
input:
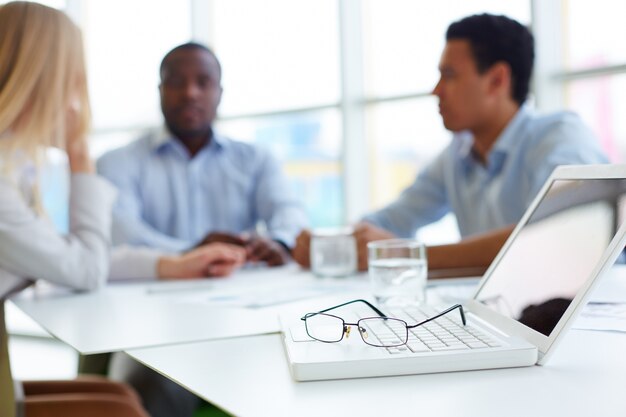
column 125, row 42
column 309, row 145
column 602, row 104
column 55, row 188
column 104, row 141
column 404, row 39
column 277, row 54
column 404, row 136
column 595, row 33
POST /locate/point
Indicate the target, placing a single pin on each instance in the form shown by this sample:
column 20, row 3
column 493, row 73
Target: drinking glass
column 398, row 269
column 333, row 252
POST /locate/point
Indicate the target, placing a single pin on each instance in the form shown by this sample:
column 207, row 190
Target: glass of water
column 333, row 252
column 398, row 269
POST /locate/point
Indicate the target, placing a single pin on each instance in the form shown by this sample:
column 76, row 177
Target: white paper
column 602, row 316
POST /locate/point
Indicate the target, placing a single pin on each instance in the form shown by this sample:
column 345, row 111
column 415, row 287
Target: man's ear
column 500, row 78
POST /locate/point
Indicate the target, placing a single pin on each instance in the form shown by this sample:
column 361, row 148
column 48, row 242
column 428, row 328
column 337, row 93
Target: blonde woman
column 44, row 102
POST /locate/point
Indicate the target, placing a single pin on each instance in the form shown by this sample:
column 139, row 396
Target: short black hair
column 190, row 45
column 499, row 39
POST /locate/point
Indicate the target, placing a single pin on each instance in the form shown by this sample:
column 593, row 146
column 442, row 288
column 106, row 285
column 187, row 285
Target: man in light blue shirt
column 184, row 185
column 500, row 156
column 494, row 194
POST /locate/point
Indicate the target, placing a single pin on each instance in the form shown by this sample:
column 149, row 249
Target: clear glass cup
column 333, row 252
column 398, row 269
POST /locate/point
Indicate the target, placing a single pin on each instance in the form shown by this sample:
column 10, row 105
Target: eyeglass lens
column 324, row 327
column 383, row 332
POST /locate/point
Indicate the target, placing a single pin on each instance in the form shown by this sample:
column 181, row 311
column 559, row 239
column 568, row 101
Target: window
column 591, row 76
column 276, row 54
column 601, row 103
column 281, row 91
column 595, row 33
column 125, row 42
column 309, row 144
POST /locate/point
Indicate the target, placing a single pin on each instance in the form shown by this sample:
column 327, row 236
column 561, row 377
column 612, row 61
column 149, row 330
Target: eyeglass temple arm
column 443, row 313
column 380, row 313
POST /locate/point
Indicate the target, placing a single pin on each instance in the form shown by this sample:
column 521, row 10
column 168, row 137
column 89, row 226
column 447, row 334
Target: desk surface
column 248, row 376
column 136, row 315
column 154, row 313
column 586, row 376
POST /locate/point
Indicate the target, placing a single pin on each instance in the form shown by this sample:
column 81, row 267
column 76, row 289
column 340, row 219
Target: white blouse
column 31, row 248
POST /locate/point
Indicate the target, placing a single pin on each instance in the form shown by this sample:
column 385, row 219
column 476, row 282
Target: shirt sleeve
column 568, row 142
column 277, row 205
column 424, row 202
column 128, row 224
column 130, row 262
column 30, row 247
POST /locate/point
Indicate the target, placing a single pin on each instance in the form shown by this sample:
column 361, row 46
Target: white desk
column 249, row 377
column 145, row 314
column 153, row 313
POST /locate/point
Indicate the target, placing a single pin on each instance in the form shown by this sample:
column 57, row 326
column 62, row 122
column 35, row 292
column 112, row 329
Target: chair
column 96, row 397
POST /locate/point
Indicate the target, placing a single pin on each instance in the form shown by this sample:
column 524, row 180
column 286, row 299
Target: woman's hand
column 76, row 143
column 212, row 260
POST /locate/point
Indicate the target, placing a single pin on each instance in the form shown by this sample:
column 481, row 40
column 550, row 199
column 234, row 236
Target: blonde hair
column 42, row 74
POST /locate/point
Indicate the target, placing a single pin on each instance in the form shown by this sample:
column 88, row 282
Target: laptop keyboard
column 442, row 334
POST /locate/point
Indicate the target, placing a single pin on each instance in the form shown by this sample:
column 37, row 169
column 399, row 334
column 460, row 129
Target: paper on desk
column 611, row 288
column 268, row 294
column 602, row 316
column 607, row 308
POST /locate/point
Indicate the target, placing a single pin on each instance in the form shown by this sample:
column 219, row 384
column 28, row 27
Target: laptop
column 569, row 237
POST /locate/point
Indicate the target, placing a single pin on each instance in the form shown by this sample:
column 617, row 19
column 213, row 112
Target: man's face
column 463, row 92
column 190, row 92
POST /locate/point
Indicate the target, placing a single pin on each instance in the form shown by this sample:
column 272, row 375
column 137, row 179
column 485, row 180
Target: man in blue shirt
column 501, row 153
column 184, row 185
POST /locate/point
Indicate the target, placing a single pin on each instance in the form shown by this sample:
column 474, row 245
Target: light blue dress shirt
column 170, row 201
column 485, row 197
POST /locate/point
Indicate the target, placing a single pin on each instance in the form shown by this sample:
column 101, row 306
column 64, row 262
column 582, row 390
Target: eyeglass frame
column 382, row 315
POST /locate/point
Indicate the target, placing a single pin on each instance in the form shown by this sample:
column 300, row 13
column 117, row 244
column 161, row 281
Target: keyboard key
column 418, row 347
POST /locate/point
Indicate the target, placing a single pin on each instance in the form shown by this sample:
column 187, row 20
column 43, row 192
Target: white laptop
column 568, row 238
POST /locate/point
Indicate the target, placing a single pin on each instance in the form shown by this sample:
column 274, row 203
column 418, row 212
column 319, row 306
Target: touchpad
column 298, row 334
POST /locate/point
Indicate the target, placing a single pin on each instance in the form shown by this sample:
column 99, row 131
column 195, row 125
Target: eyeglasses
column 379, row 331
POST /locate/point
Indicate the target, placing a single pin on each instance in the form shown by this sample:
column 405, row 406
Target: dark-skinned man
column 184, row 185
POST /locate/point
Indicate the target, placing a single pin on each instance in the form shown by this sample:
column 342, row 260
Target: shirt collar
column 510, row 135
column 465, row 141
column 163, row 139
column 502, row 147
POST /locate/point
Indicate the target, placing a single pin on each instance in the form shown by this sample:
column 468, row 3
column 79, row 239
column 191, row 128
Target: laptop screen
column 555, row 252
